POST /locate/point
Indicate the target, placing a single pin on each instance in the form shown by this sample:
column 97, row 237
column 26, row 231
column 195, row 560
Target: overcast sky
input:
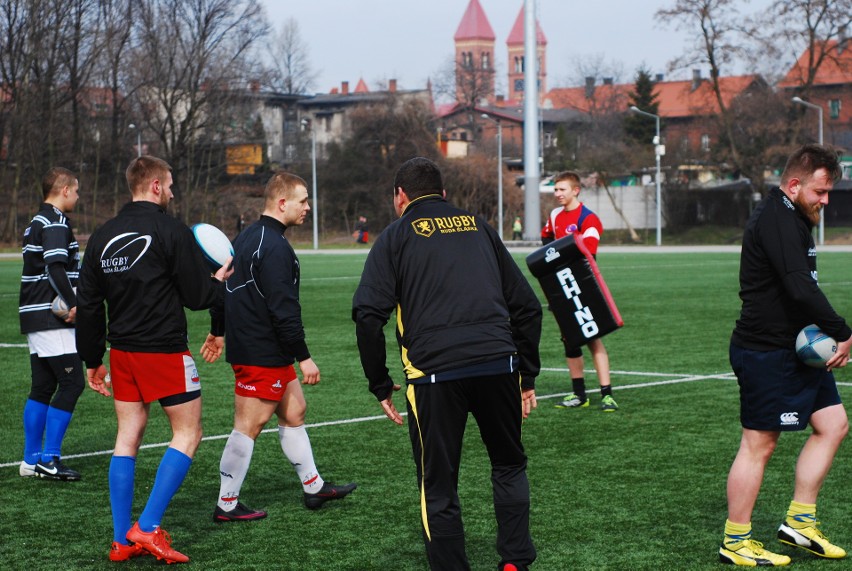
column 412, row 40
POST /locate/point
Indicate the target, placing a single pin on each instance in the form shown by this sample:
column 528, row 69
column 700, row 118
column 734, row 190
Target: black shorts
column 777, row 391
column 572, row 352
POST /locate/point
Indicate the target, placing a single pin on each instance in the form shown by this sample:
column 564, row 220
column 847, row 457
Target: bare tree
column 795, row 26
column 193, row 56
column 114, row 76
column 813, row 27
column 80, row 48
column 716, row 27
column 381, row 136
column 601, row 146
column 14, row 64
column 292, row 72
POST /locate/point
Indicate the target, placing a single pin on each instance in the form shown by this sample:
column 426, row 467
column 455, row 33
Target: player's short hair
column 55, row 179
column 143, row 170
column 808, row 159
column 570, row 176
column 418, row 177
column 282, row 185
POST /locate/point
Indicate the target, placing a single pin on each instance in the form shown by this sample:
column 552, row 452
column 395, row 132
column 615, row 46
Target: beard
column 811, row 212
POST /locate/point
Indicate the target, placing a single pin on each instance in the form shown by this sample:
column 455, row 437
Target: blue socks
column 121, row 474
column 35, row 416
column 54, row 431
column 170, row 475
column 47, row 422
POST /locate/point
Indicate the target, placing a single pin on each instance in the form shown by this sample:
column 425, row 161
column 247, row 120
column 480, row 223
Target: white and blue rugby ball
column 214, row 244
column 59, row 308
column 813, row 347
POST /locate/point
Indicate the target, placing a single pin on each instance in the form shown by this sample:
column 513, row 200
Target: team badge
column 423, row 227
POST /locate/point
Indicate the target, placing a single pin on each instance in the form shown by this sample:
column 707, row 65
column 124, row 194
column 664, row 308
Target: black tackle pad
column 575, row 290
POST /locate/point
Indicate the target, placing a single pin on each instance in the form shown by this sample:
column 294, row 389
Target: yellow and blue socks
column 800, row 516
column 735, row 534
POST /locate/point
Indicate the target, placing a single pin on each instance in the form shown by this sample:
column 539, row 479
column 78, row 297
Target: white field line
column 678, row 378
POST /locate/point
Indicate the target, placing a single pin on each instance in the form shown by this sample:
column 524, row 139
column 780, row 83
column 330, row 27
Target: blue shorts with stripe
column 777, row 391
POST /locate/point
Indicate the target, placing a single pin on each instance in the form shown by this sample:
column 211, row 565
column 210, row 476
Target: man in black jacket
column 146, row 267
column 780, row 295
column 468, row 327
column 263, row 326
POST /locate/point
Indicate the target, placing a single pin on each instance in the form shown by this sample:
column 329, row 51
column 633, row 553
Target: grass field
column 640, row 489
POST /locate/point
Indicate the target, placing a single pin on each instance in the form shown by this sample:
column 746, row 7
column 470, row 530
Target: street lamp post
column 305, row 124
column 499, row 173
column 659, row 150
column 801, row 101
column 138, row 139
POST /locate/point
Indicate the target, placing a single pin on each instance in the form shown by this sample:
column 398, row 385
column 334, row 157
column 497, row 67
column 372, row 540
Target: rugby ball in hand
column 59, row 308
column 214, row 244
column 814, row 347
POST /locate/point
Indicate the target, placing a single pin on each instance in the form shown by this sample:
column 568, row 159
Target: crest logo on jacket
column 123, row 251
column 423, row 227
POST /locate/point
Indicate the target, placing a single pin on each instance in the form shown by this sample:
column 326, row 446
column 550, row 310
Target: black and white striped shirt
column 48, row 239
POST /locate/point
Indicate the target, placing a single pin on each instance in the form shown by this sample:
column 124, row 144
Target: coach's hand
column 528, row 401
column 841, row 357
column 99, row 380
column 390, row 410
column 310, row 372
column 212, row 347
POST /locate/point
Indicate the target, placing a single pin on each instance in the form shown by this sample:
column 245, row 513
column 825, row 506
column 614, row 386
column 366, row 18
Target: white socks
column 297, row 447
column 233, row 468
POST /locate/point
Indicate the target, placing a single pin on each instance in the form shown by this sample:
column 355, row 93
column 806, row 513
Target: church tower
column 515, row 44
column 474, row 64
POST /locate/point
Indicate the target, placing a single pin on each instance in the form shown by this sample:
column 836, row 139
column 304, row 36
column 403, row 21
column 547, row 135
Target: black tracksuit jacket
column 146, row 266
column 263, row 317
column 778, row 280
column 461, row 299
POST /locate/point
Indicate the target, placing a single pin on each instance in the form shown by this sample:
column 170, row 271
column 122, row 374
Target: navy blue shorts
column 777, row 391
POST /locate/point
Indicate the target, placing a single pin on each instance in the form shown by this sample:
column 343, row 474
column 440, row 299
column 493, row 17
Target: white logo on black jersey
column 123, row 251
column 789, row 418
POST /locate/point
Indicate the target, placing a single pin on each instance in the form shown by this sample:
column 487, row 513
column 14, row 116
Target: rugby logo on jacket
column 444, row 224
column 123, row 251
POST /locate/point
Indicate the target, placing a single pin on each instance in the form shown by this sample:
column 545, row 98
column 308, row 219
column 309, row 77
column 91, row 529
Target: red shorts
column 266, row 383
column 148, row 377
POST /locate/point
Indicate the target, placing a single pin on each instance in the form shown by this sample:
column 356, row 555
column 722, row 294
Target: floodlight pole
column 305, row 124
column 138, row 139
column 499, row 173
column 659, row 150
column 801, row 101
column 532, row 166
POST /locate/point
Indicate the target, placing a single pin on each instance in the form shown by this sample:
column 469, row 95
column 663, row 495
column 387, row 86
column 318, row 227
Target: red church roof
column 474, row 24
column 836, row 68
column 362, row 87
column 517, row 34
